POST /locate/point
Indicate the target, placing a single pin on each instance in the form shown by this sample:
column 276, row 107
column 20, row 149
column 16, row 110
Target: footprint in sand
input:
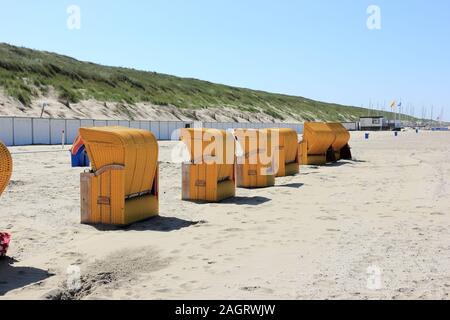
column 326, row 218
column 256, row 289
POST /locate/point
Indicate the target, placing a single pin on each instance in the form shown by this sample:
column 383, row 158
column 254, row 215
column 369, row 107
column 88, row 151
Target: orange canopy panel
column 209, row 175
column 340, row 145
column 122, row 186
column 6, row 167
column 254, row 167
column 317, row 141
column 342, row 135
column 286, row 158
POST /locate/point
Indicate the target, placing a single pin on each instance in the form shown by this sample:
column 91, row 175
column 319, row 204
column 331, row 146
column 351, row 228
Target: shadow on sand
column 12, row 278
column 247, row 201
column 159, row 224
column 162, row 224
column 291, row 185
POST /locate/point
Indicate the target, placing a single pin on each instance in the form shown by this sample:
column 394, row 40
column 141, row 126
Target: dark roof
column 372, row 117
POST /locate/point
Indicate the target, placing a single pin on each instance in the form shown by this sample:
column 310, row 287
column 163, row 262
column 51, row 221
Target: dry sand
column 312, row 236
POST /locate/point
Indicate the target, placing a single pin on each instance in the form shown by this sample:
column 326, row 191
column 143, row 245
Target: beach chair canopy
column 319, row 137
column 6, row 166
column 342, row 136
column 287, row 161
column 134, row 149
column 211, row 145
column 288, row 140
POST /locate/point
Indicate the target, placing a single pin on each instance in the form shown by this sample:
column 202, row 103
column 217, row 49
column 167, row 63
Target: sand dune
column 312, row 236
column 93, row 109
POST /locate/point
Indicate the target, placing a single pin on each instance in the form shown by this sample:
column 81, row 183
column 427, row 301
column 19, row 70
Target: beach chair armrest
column 111, row 167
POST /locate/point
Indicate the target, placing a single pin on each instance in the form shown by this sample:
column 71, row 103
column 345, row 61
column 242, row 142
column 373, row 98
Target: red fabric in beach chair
column 5, row 238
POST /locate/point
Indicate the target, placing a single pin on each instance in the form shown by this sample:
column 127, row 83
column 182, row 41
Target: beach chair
column 316, row 146
column 209, row 175
column 6, row 167
column 340, row 145
column 122, row 185
column 254, row 168
column 287, row 160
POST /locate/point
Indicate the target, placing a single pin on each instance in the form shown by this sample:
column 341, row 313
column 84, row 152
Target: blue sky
column 320, row 49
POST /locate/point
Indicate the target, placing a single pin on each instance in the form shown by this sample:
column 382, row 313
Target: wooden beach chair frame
column 122, row 187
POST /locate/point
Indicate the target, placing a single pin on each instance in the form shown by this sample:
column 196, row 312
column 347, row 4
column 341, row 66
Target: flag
column 393, row 104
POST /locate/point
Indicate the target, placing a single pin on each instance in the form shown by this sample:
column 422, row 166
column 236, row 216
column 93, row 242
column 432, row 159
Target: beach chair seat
column 254, row 168
column 122, row 186
column 209, row 175
column 6, row 167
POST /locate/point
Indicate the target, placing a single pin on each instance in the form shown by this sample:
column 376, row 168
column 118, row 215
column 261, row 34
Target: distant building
column 378, row 123
column 373, row 123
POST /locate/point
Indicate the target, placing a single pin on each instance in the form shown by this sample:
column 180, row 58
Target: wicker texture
column 6, row 167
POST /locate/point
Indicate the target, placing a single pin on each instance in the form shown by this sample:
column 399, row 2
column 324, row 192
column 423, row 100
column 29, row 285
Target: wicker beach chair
column 254, row 168
column 210, row 174
column 122, row 185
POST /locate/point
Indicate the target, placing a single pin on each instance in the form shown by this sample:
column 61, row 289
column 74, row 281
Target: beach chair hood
column 287, row 161
column 136, row 150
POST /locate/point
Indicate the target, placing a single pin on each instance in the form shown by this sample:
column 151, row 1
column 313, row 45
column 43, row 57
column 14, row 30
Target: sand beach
column 377, row 227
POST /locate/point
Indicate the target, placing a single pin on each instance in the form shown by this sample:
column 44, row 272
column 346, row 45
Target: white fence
column 351, row 126
column 15, row 131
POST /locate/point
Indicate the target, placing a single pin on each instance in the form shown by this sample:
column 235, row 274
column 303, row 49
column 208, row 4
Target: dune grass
column 26, row 73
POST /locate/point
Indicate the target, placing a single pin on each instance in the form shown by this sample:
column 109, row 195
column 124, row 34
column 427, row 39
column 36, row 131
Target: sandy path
column 312, row 236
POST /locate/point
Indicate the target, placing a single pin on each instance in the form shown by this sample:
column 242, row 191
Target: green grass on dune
column 26, row 73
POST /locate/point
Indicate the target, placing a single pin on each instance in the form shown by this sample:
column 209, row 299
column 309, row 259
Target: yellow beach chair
column 254, row 168
column 315, row 147
column 122, row 186
column 287, row 161
column 340, row 145
column 210, row 174
column 6, row 167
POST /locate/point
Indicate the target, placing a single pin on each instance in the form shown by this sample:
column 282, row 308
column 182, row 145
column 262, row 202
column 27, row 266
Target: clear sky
column 320, row 49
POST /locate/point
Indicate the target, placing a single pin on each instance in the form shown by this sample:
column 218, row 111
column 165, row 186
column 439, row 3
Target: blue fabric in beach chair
column 79, row 155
